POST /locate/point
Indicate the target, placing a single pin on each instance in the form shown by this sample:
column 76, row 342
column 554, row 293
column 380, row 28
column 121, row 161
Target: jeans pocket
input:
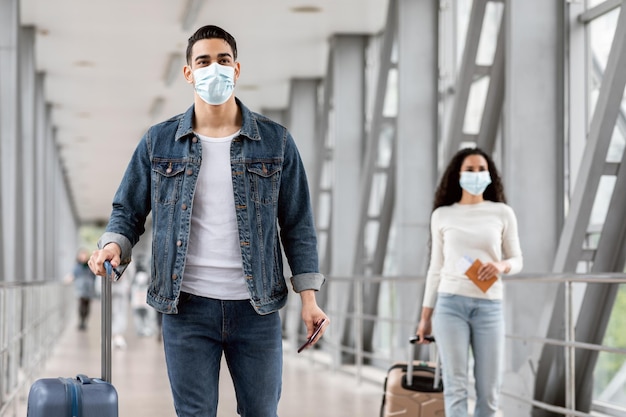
column 183, row 298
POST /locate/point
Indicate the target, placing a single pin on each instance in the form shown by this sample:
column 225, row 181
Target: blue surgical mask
column 214, row 83
column 475, row 182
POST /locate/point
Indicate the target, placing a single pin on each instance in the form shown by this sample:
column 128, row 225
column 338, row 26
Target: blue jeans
column 460, row 323
column 194, row 340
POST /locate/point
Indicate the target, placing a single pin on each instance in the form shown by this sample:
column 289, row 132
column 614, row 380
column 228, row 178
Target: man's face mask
column 214, row 83
column 475, row 182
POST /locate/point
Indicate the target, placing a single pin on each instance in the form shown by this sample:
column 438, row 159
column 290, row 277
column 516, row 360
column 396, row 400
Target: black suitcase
column 413, row 388
column 81, row 396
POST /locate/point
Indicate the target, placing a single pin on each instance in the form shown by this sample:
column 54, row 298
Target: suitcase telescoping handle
column 409, row 364
column 106, row 320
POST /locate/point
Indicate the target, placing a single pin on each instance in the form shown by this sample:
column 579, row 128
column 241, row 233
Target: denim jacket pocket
column 264, row 178
column 167, row 179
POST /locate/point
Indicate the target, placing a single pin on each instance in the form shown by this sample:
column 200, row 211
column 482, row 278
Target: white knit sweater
column 485, row 231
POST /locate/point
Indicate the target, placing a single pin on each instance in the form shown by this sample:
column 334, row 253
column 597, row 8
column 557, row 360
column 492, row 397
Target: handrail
column 357, row 316
column 33, row 316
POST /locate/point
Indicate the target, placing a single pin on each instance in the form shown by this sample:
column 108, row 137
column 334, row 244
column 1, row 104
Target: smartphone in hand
column 318, row 328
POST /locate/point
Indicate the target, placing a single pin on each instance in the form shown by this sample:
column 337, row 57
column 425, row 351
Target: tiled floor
column 139, row 375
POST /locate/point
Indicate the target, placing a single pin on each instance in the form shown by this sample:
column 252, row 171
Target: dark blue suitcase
column 72, row 397
column 81, row 396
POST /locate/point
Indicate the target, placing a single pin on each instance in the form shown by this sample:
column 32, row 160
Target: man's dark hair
column 211, row 32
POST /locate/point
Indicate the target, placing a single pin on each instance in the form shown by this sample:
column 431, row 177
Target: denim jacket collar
column 249, row 126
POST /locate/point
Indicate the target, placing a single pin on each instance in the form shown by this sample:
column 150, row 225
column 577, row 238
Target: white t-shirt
column 485, row 231
column 213, row 267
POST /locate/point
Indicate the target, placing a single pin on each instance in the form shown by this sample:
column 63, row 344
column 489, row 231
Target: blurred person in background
column 84, row 286
column 144, row 316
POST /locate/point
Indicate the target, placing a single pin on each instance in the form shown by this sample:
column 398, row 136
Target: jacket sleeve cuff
column 308, row 281
column 122, row 241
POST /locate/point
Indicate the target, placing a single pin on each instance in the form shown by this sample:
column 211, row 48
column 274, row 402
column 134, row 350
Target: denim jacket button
column 179, row 243
column 194, row 140
column 189, row 171
column 184, row 207
column 174, row 277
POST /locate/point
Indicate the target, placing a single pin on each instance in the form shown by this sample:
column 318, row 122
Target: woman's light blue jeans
column 194, row 340
column 460, row 323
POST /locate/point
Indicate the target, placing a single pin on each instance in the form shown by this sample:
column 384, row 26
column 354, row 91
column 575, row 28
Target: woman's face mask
column 475, row 182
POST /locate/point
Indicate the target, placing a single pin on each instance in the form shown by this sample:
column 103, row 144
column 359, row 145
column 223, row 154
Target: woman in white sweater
column 473, row 234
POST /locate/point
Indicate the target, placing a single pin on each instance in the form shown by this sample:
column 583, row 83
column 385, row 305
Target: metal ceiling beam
column 375, row 227
column 371, row 263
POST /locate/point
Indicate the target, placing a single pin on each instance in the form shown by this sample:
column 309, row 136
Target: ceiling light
column 247, row 87
column 157, row 107
column 84, row 64
column 174, row 67
column 192, row 7
column 306, row 9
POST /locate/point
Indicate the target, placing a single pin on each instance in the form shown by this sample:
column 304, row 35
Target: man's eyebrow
column 220, row 55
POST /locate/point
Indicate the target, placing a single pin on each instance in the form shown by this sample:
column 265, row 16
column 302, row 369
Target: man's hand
column 312, row 314
column 111, row 252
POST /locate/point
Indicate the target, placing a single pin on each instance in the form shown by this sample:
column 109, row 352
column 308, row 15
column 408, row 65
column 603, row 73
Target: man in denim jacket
column 222, row 184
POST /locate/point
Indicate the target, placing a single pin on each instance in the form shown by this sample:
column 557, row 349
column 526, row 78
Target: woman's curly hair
column 449, row 191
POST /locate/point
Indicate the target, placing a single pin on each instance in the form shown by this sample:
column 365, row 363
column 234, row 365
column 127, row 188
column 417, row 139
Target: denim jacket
column 271, row 197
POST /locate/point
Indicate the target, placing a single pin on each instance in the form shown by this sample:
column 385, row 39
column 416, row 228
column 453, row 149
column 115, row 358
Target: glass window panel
column 330, row 139
column 489, row 33
column 391, row 266
column 463, row 11
column 385, row 144
column 592, row 3
column 601, row 203
column 326, row 178
column 390, row 108
column 324, row 210
column 379, row 187
column 383, row 329
column 371, row 237
column 475, row 106
column 601, row 34
column 616, row 147
column 610, row 372
column 322, row 241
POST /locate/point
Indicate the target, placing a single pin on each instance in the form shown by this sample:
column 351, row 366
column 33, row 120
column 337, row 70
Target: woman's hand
column 492, row 269
column 425, row 327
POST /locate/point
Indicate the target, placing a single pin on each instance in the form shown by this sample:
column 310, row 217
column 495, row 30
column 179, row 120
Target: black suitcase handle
column 409, row 379
column 416, row 338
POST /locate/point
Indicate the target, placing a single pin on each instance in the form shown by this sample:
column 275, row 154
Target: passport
column 472, row 274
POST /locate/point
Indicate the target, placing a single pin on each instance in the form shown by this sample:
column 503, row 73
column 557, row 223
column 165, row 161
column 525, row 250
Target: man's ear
column 188, row 73
column 237, row 71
